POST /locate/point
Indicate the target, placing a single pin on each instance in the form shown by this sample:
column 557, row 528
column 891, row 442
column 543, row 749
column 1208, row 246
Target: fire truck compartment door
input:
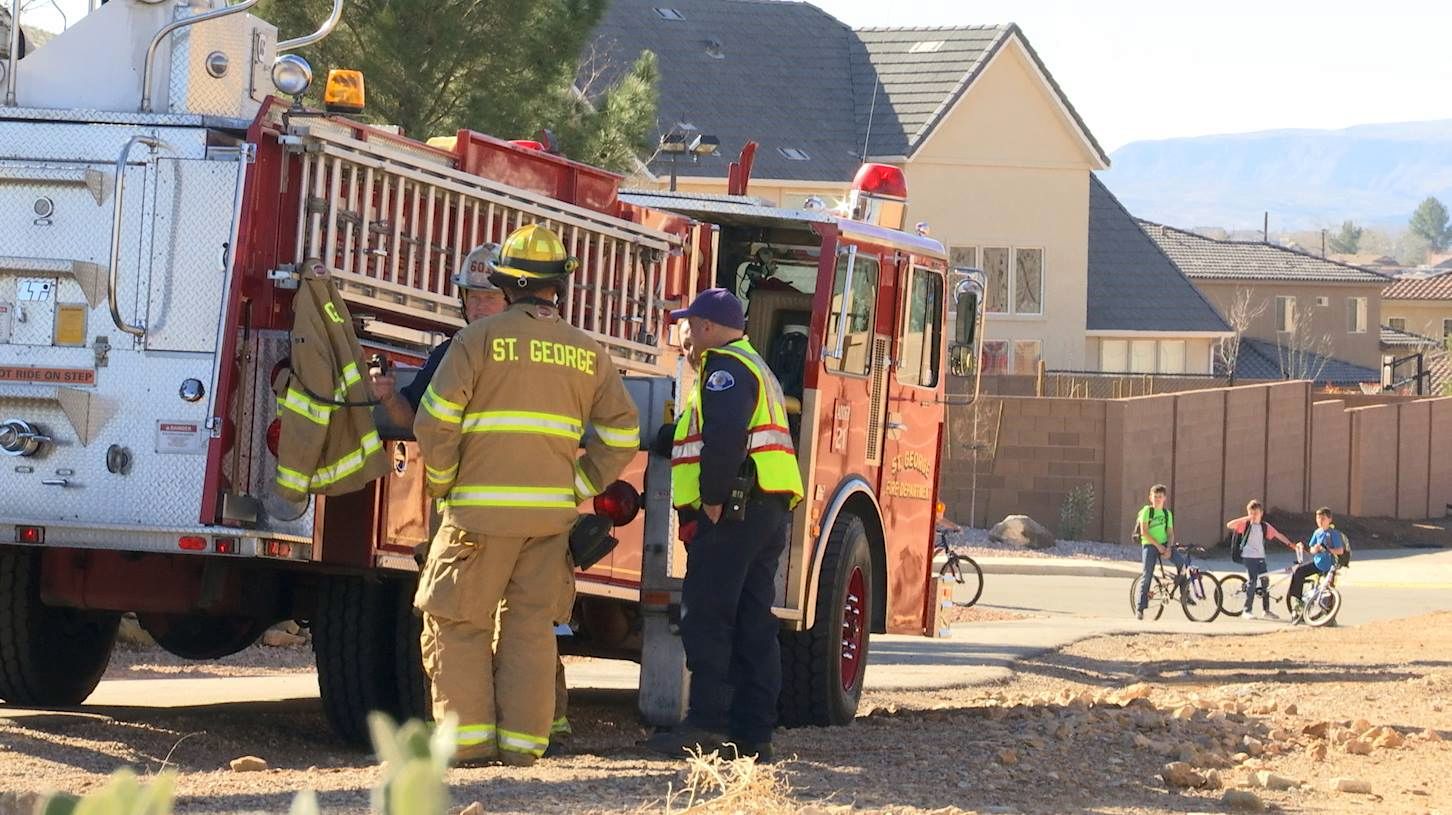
column 195, row 217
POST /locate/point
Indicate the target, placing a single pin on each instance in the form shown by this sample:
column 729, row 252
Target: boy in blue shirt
column 1327, row 544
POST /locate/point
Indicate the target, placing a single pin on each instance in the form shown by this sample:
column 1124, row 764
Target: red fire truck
column 151, row 235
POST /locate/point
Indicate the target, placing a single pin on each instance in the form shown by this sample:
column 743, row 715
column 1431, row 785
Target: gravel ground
column 1087, row 728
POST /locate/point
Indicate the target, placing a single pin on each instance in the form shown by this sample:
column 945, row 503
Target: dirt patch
column 979, row 614
column 1090, row 727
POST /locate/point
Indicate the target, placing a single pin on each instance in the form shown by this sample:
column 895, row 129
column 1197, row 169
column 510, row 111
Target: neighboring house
column 1309, row 310
column 1386, row 264
column 1399, row 344
column 1421, row 305
column 997, row 160
column 1144, row 315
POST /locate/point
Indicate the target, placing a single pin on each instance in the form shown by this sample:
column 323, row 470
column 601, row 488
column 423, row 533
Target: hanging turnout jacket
column 501, row 423
column 329, row 444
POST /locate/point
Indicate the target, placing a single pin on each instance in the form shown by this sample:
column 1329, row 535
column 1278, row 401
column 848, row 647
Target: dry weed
column 717, row 784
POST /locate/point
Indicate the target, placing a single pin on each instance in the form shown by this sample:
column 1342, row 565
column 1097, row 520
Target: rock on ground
column 1021, row 530
column 1180, row 774
column 1352, row 785
column 1242, row 801
column 248, row 764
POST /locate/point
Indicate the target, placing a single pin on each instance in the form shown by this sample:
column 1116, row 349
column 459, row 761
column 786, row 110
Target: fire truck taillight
column 30, row 534
column 192, row 543
column 225, row 546
column 274, row 436
column 620, row 503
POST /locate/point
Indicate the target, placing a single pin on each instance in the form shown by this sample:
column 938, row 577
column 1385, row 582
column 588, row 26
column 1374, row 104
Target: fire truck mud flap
column 823, row 667
column 49, row 657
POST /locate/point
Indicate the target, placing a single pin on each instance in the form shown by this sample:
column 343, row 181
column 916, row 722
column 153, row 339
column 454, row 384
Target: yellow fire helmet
column 531, row 254
column 478, row 266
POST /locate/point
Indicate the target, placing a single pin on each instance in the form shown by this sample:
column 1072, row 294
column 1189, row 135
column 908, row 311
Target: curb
column 1059, row 568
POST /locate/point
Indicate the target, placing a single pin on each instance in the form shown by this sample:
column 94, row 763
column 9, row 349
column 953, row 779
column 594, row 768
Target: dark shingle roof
column 789, row 75
column 1436, row 287
column 1398, row 337
column 1133, row 285
column 1207, row 258
column 1259, row 359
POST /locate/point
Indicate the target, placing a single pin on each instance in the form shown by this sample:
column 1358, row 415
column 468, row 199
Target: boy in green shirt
column 1155, row 528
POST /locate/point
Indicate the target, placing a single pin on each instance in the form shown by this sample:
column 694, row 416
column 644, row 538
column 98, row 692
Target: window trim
column 1286, row 313
column 1391, row 322
column 1446, row 327
column 1358, row 307
column 906, row 311
column 980, row 248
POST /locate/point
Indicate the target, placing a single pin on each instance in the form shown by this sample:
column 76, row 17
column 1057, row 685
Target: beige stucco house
column 997, row 161
column 1296, row 299
column 1421, row 305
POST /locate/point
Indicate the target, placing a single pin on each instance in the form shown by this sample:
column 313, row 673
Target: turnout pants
column 727, row 628
column 501, row 693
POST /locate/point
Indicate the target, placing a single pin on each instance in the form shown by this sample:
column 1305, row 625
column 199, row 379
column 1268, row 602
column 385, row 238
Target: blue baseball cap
column 717, row 305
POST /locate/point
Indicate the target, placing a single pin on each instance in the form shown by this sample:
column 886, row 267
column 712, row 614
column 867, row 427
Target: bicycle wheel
column 1200, row 597
column 950, row 569
column 970, row 573
column 1156, row 602
column 1232, row 595
column 1321, row 607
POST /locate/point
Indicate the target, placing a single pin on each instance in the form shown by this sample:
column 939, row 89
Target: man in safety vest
column 500, row 427
column 479, row 297
column 734, row 467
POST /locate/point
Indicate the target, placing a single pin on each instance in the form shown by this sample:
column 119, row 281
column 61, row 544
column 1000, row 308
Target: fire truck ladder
column 393, row 220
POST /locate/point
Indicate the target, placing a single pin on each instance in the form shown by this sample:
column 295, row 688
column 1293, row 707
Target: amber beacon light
column 344, row 91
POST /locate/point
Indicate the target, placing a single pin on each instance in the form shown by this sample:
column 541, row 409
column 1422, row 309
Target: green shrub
column 1076, row 512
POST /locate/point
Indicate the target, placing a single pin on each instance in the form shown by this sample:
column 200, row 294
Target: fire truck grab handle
column 166, row 30
column 116, row 212
column 324, row 30
column 846, row 304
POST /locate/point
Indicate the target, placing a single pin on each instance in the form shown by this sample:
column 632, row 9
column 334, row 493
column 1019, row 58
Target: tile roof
column 1133, row 284
column 1398, row 337
column 1207, row 258
column 788, row 75
column 1259, row 359
column 1436, row 287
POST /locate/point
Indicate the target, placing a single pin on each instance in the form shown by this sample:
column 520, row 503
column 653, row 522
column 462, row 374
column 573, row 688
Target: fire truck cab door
column 911, row 435
column 195, row 213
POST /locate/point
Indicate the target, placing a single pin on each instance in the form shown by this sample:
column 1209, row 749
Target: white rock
column 248, row 764
column 1359, row 747
column 477, row 808
column 274, row 638
column 1252, row 745
column 1180, row 774
column 1271, row 781
column 1023, row 531
column 1353, row 785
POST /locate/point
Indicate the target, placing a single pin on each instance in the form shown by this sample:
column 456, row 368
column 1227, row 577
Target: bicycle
column 1318, row 605
column 956, row 566
column 1197, row 590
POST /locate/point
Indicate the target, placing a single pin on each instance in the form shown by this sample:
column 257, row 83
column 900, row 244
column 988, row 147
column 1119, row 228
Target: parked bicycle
column 963, row 569
column 1197, row 591
column 1318, row 605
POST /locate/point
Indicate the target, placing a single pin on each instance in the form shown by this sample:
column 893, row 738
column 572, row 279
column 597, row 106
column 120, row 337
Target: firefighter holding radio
column 734, row 469
column 519, row 387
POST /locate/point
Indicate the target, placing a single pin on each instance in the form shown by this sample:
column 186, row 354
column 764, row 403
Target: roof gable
column 1436, row 287
column 1133, row 284
column 1203, row 258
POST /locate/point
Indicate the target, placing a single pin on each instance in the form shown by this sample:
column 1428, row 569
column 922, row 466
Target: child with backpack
column 1328, row 545
column 1249, row 534
column 1154, row 528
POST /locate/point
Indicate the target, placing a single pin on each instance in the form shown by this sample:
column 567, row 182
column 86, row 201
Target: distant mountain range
column 1372, row 174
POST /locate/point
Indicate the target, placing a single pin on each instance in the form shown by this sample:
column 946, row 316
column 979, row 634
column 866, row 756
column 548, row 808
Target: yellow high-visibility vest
column 768, row 437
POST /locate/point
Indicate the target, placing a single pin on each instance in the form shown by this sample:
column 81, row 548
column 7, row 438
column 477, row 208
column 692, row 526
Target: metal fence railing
column 1100, row 385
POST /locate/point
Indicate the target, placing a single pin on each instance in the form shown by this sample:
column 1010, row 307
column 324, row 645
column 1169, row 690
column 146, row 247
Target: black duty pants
column 727, row 627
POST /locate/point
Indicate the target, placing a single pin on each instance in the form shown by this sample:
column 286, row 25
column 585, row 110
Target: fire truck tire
column 197, row 636
column 355, row 664
column 822, row 667
column 49, row 657
column 413, row 683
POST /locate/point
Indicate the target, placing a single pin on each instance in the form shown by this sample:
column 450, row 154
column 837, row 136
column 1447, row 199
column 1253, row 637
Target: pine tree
column 1347, row 241
column 1430, row 222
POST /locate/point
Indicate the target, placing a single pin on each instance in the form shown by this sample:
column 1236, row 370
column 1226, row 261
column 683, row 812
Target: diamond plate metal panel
column 91, row 143
column 195, row 206
column 242, row 39
column 114, row 117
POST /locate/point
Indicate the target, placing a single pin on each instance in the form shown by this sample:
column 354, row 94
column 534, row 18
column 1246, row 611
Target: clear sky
column 1147, row 69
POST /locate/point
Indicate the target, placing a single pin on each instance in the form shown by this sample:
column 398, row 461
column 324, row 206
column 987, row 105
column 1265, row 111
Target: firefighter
column 499, row 427
column 734, row 468
column 479, row 297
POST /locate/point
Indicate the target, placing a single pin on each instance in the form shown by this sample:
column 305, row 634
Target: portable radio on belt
column 741, row 486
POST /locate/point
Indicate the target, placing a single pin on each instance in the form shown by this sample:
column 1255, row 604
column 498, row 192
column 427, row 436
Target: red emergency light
column 620, row 503
column 274, row 436
column 192, row 543
column 879, row 196
column 30, row 534
column 528, row 144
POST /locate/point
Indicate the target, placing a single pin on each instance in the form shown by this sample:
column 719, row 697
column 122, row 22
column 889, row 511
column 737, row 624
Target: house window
column 669, row 14
column 856, row 351
column 1028, row 281
column 1285, row 314
column 1399, row 323
column 1142, row 356
column 1447, row 326
column 995, row 356
column 1323, row 301
column 1356, row 315
column 921, row 335
column 1026, row 356
column 1014, row 276
column 794, row 153
column 1172, row 356
column 1114, row 355
column 963, row 257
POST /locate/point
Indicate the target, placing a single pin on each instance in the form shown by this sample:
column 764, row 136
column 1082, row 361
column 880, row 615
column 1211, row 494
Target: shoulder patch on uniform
column 720, row 381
